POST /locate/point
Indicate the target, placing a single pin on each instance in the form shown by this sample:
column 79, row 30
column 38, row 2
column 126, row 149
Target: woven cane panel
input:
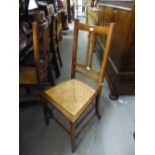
column 71, row 95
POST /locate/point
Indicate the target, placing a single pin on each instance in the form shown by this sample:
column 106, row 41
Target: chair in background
column 55, row 34
column 53, row 41
column 37, row 74
column 73, row 98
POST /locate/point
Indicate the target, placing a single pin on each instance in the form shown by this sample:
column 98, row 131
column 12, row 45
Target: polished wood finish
column 73, row 97
column 121, row 67
column 120, row 73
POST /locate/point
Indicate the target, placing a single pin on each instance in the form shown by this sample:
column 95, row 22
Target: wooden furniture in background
column 120, row 73
column 73, row 97
column 54, row 44
column 53, row 37
column 51, row 7
column 55, row 34
column 37, row 74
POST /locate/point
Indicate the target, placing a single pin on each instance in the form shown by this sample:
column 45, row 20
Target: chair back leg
column 97, row 107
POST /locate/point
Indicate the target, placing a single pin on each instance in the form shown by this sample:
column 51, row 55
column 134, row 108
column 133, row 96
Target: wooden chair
column 55, row 31
column 37, row 74
column 73, row 97
column 54, row 48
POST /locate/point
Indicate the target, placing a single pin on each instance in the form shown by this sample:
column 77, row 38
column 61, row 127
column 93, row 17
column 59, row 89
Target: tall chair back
column 41, row 42
column 87, row 69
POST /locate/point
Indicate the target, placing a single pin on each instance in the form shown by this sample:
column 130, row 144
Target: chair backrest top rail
column 93, row 28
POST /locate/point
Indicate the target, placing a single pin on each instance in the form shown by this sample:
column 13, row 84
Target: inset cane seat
column 70, row 97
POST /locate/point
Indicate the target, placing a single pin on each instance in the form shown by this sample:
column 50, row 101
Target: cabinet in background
column 120, row 73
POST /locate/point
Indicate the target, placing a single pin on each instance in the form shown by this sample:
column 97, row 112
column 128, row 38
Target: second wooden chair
column 37, row 74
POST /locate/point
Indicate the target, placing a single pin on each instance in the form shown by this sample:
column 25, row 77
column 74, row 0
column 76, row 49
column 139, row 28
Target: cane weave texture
column 70, row 97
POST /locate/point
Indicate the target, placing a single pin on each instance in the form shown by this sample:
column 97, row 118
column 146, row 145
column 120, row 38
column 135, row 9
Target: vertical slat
column 35, row 42
column 105, row 57
column 74, row 50
column 92, row 49
column 88, row 47
column 41, row 71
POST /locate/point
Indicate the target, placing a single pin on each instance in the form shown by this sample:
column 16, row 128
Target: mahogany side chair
column 37, row 74
column 74, row 97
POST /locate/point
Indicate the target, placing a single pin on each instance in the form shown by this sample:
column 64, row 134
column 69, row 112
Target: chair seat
column 71, row 98
column 27, row 75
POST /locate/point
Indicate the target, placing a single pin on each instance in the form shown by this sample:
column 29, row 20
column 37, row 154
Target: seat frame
column 92, row 31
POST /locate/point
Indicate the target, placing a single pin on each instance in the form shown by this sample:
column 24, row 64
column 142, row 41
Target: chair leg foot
column 113, row 96
column 72, row 136
column 97, row 108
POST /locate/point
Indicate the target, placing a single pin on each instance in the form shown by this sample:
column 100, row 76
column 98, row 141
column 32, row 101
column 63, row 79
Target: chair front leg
column 72, row 136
